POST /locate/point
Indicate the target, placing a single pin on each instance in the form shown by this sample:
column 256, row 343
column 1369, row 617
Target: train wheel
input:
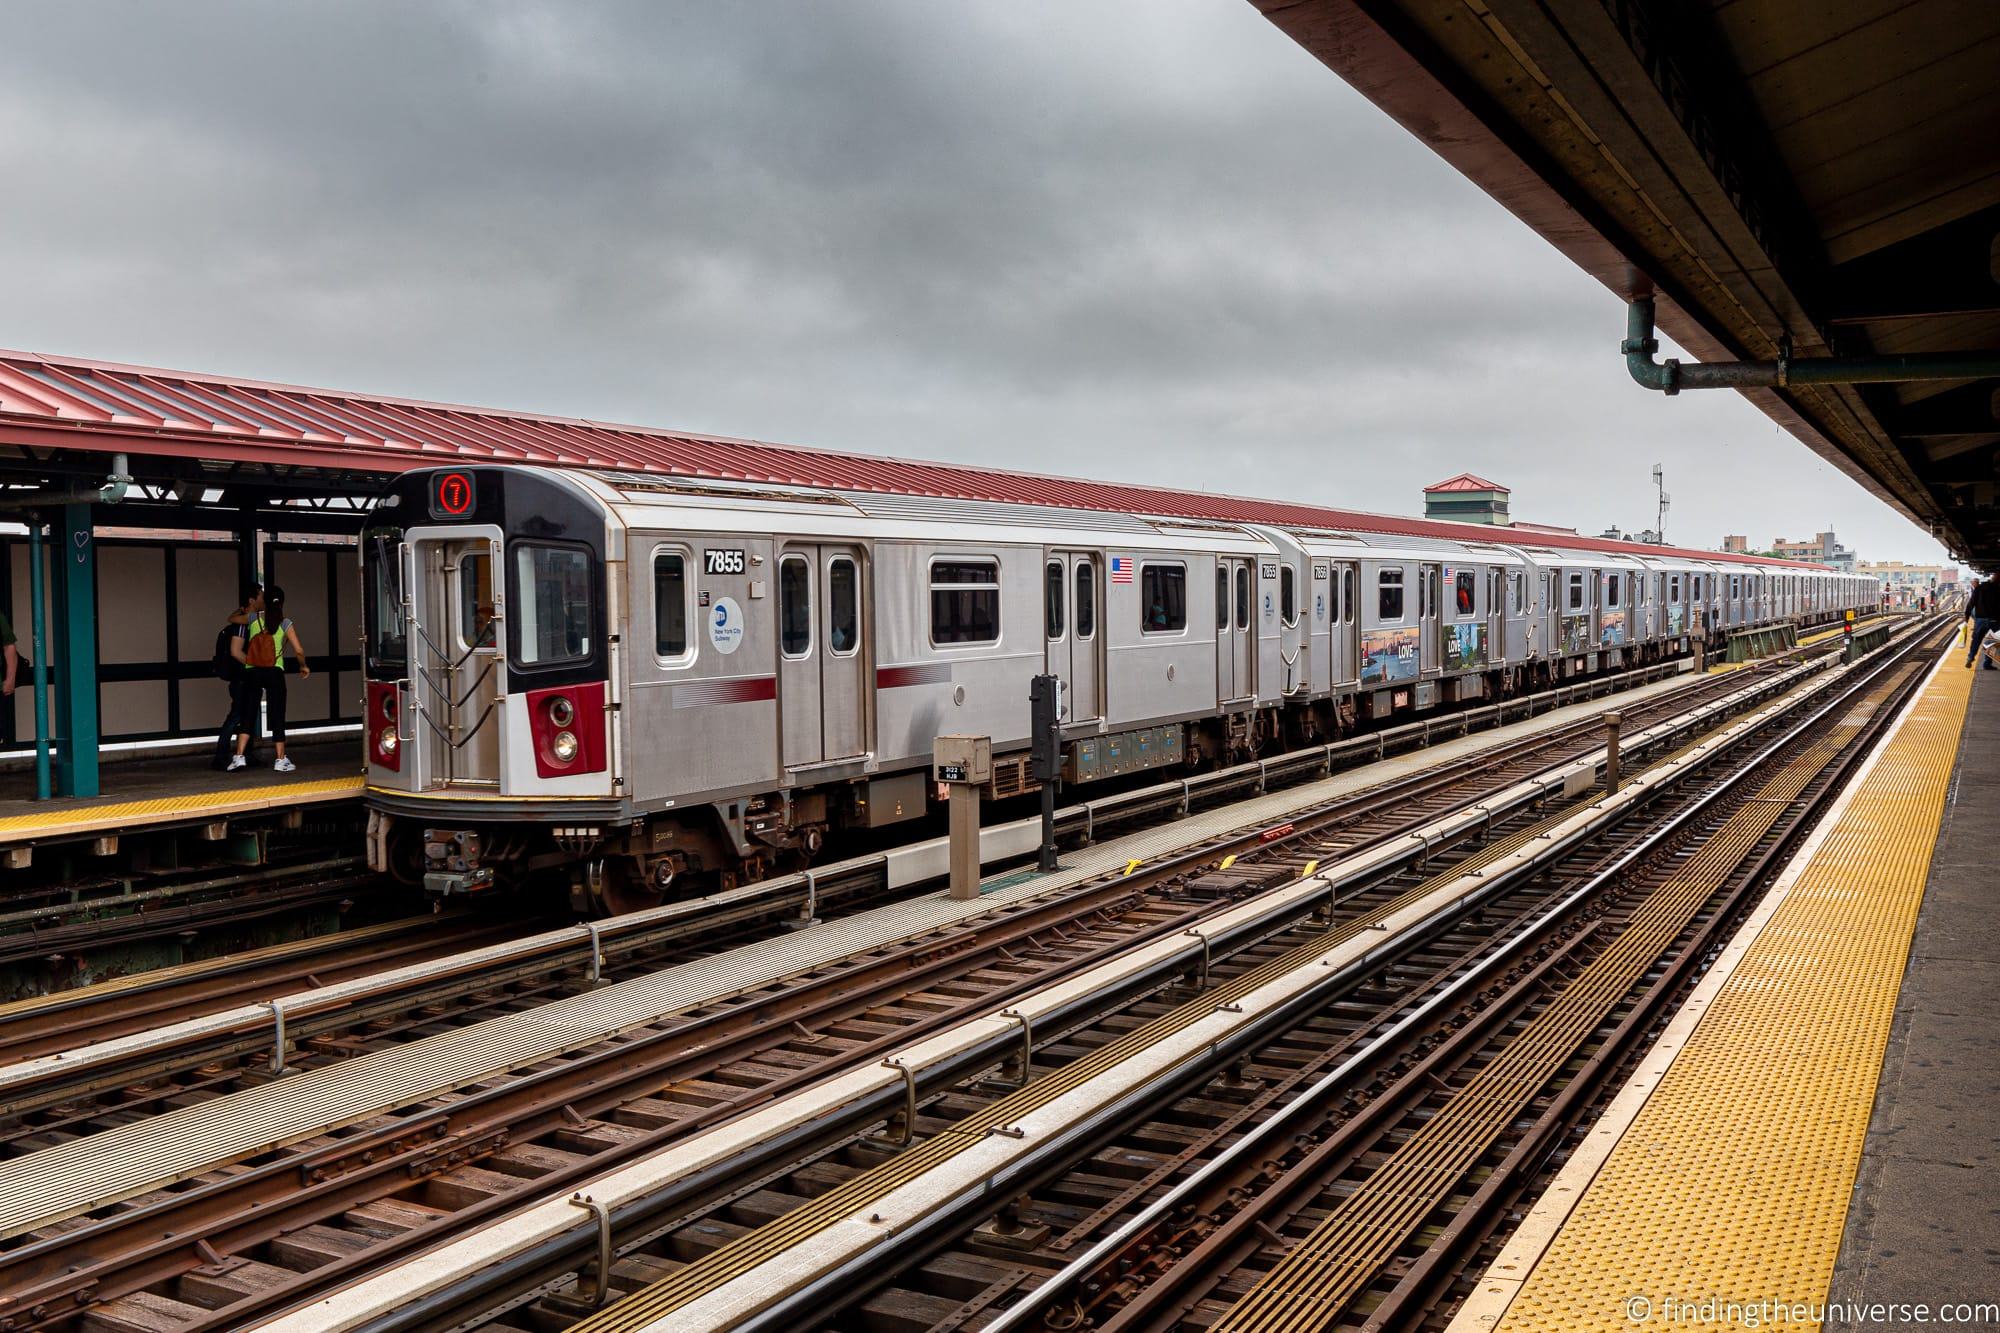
column 618, row 885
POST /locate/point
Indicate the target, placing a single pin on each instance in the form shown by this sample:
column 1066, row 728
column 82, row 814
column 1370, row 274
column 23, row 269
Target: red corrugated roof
column 65, row 402
column 1464, row 481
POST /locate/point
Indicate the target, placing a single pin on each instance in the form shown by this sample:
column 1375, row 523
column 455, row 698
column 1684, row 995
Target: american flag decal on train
column 1121, row 569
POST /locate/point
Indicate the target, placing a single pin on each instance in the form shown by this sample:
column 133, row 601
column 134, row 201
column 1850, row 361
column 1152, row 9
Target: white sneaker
column 237, row 761
column 284, row 766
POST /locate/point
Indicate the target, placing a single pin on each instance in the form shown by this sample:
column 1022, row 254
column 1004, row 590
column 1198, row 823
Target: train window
column 1163, row 594
column 1575, row 590
column 1464, row 592
column 843, row 606
column 965, row 601
column 1389, row 595
column 670, row 604
column 1086, row 599
column 1288, row 595
column 388, row 652
column 1517, row 584
column 1052, row 599
column 552, row 607
column 1243, row 597
column 1221, row 595
column 795, row 616
column 1610, row 591
column 475, row 600
column 1347, row 595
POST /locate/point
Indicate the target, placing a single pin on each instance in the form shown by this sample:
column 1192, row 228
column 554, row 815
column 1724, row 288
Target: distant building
column 1467, row 499
column 1645, row 536
column 1735, row 545
column 1823, row 549
column 1902, row 584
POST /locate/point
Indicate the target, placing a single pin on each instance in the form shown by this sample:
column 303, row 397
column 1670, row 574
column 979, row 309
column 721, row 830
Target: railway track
column 580, row 1109
column 78, row 920
column 1423, row 1137
column 722, row 1161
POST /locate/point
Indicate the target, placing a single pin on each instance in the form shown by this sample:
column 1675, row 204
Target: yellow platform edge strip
column 1720, row 1179
column 119, row 816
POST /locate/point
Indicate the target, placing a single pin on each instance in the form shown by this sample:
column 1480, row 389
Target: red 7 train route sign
column 453, row 495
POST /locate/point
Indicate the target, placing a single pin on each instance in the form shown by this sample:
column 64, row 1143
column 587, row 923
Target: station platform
column 182, row 789
column 1818, row 1123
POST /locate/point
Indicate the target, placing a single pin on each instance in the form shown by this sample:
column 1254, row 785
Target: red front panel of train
column 566, row 725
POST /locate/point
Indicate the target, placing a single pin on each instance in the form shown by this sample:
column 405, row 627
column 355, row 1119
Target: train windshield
column 553, row 615
column 388, row 650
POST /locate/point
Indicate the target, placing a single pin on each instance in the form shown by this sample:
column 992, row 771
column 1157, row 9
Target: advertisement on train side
column 1388, row 655
column 1465, row 647
column 1676, row 620
column 1575, row 635
column 1611, row 631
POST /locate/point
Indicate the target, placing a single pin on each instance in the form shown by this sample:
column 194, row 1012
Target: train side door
column 1346, row 638
column 822, row 670
column 1430, row 624
column 1496, row 615
column 1235, row 637
column 1071, row 603
column 457, row 671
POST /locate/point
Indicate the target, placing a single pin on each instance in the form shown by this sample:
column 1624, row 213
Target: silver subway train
column 634, row 684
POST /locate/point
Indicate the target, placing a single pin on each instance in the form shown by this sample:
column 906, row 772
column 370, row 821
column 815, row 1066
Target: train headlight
column 388, row 708
column 562, row 712
column 385, row 740
column 563, row 746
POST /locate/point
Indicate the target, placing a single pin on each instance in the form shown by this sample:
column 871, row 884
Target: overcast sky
column 1147, row 240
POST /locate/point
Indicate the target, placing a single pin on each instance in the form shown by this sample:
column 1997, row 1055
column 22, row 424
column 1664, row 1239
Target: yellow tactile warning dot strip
column 122, row 815
column 1729, row 1191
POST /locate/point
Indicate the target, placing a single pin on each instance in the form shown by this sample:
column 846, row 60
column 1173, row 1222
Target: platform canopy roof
column 213, row 426
column 1823, row 172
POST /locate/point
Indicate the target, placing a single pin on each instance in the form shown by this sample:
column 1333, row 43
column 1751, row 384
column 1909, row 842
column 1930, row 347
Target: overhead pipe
column 116, row 486
column 1671, row 376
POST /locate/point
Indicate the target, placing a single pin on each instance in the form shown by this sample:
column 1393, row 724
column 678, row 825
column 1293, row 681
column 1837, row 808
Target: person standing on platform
column 12, row 653
column 1983, row 610
column 229, row 669
column 267, row 640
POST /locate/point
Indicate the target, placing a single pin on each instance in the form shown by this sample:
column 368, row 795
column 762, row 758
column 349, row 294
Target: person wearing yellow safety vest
column 262, row 651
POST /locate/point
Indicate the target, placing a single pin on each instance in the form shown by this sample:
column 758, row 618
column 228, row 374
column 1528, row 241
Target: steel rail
column 243, row 1031
column 1104, row 1254
column 1380, row 797
column 412, row 1136
column 1532, row 793
column 707, row 1276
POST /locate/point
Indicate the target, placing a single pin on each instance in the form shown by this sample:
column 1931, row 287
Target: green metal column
column 76, row 600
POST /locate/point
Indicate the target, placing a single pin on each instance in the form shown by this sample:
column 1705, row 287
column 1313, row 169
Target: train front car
column 491, row 695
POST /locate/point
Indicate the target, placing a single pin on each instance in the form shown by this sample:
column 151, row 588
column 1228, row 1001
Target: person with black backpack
column 229, row 670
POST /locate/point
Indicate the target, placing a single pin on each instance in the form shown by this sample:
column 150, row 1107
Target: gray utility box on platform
column 963, row 764
column 963, row 759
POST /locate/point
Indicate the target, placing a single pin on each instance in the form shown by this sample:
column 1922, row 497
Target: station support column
column 76, row 729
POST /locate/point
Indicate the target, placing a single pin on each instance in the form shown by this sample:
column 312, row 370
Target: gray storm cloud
column 1144, row 239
